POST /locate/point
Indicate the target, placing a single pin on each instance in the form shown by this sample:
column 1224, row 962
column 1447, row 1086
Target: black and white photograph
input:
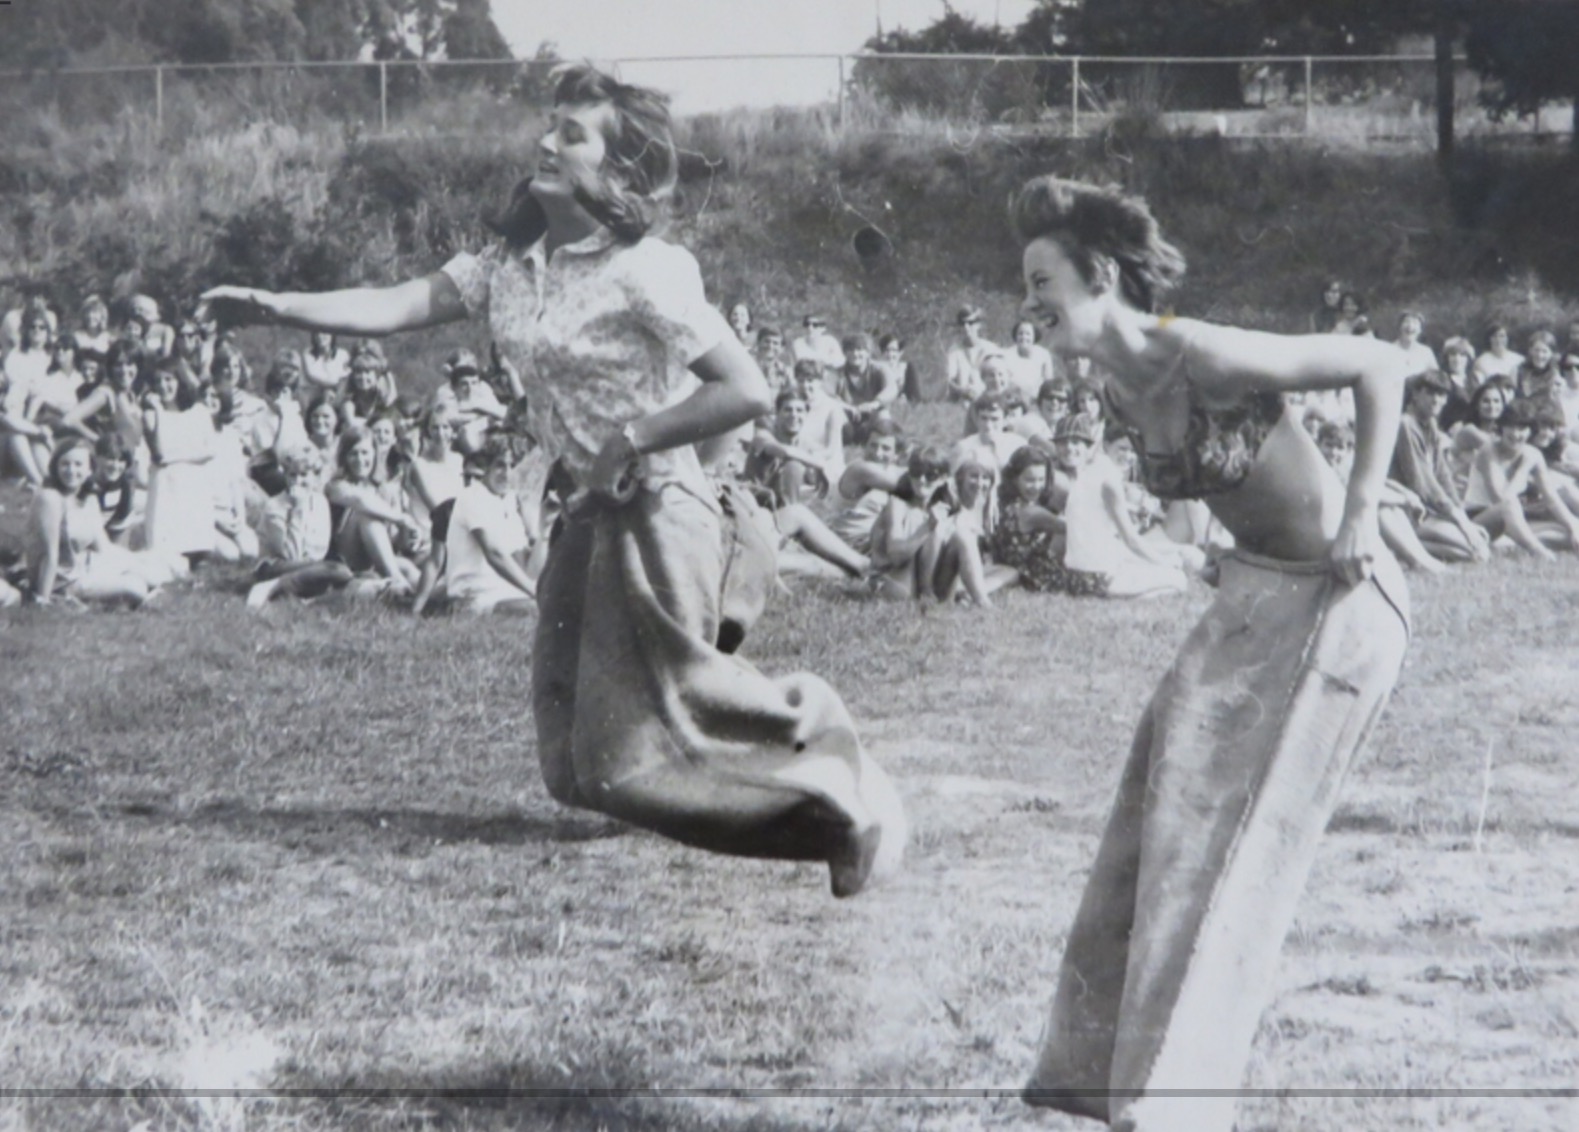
column 737, row 566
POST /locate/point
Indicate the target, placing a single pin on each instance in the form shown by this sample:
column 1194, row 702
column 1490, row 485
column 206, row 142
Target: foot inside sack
column 873, row 851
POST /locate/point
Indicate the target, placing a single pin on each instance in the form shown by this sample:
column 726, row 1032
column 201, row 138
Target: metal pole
column 1307, row 97
column 841, row 94
column 159, row 98
column 383, row 97
column 1074, row 97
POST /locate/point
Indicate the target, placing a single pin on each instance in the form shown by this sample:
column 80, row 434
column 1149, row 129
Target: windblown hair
column 1093, row 223
column 640, row 166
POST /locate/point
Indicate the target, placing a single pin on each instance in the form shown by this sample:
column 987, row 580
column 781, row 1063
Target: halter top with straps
column 1219, row 446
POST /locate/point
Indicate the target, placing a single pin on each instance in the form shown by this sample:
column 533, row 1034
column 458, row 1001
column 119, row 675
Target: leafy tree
column 1527, row 50
column 936, row 88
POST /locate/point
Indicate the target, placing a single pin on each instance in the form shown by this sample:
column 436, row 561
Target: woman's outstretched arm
column 368, row 312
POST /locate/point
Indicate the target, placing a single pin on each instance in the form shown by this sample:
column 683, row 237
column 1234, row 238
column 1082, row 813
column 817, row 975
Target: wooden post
column 1074, row 97
column 383, row 97
column 159, row 99
column 1445, row 93
column 841, row 94
column 1308, row 96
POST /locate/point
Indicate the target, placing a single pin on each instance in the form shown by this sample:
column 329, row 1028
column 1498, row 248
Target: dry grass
column 308, row 853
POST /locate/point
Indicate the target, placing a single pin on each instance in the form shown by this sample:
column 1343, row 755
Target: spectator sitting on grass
column 114, row 407
column 486, row 542
column 1498, row 360
column 181, row 439
column 1029, row 365
column 369, row 388
column 1052, row 405
column 782, row 457
column 1568, row 393
column 867, row 390
column 1538, row 379
column 115, row 491
column 1352, row 315
column 436, row 473
column 68, row 554
column 295, row 535
column 1028, row 538
column 963, row 364
column 93, row 326
column 963, row 570
column 384, row 428
column 146, row 326
column 367, row 523
column 1401, row 509
column 235, row 494
column 865, row 486
column 1503, row 472
column 321, row 422
column 1458, row 357
column 1486, row 405
column 739, row 318
column 1421, row 466
column 776, row 364
column 819, row 346
column 325, row 364
column 991, row 444
column 1327, row 313
column 33, row 303
column 25, row 440
column 1103, row 551
column 1411, row 324
column 912, row 527
column 470, row 402
column 901, row 373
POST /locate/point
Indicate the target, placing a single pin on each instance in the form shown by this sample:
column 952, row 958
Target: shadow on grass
column 1352, row 820
column 329, row 828
column 527, row 1096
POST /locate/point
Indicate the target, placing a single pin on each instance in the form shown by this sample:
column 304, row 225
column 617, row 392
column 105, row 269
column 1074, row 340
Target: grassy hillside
column 771, row 200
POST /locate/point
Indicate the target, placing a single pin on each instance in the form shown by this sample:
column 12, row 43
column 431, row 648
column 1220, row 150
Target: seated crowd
column 152, row 448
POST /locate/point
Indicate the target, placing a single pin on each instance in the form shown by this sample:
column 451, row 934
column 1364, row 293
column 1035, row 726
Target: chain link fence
column 1363, row 100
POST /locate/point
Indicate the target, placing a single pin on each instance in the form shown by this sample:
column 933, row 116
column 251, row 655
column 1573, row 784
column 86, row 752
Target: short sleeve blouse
column 603, row 333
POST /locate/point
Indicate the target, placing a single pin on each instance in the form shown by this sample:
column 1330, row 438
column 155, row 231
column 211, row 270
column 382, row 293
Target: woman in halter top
column 1236, row 764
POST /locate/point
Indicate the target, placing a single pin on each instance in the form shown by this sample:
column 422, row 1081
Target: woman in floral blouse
column 628, row 369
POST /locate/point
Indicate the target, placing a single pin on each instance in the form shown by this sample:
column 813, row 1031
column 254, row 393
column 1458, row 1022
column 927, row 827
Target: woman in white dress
column 181, row 441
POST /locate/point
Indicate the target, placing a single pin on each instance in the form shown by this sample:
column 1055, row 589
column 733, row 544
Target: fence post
column 1307, row 96
column 841, row 94
column 383, row 97
column 159, row 99
column 1074, row 97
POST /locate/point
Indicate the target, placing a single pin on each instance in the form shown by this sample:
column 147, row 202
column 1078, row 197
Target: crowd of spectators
column 151, row 448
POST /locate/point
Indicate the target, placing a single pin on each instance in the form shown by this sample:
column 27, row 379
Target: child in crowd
column 866, row 389
column 1498, row 360
column 963, row 375
column 114, row 407
column 1411, row 324
column 68, row 554
column 486, row 541
column 865, row 486
column 901, row 373
column 367, row 523
column 1028, row 538
column 784, row 459
column 1401, row 512
column 1101, row 545
column 777, row 365
column 296, row 533
column 181, row 440
column 991, row 444
column 325, row 364
column 470, row 402
column 1421, row 467
column 369, row 386
column 1029, row 365
column 1507, row 468
column 117, row 494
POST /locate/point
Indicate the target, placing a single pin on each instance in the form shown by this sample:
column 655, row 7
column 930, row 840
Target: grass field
column 308, row 853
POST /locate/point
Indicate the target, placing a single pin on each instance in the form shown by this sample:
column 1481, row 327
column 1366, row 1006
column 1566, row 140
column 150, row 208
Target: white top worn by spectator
column 296, row 525
column 577, row 353
column 472, row 580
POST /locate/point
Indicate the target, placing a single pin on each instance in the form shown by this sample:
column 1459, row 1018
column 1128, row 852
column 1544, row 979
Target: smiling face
column 1409, row 329
column 109, row 468
column 364, row 377
column 1073, row 452
column 166, row 386
column 123, row 371
column 1024, row 337
column 1031, row 482
column 358, row 461
column 994, row 375
column 972, row 481
column 740, row 318
column 573, row 151
column 73, row 468
column 859, row 359
column 882, row 449
column 321, row 420
column 892, row 353
column 791, row 417
column 1540, row 354
column 384, row 433
column 1490, row 400
column 989, row 420
column 1058, row 297
column 441, row 432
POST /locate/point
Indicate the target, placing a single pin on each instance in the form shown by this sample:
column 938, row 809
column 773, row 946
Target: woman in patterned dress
column 629, row 370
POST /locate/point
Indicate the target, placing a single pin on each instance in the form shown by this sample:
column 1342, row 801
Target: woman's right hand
column 239, row 306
